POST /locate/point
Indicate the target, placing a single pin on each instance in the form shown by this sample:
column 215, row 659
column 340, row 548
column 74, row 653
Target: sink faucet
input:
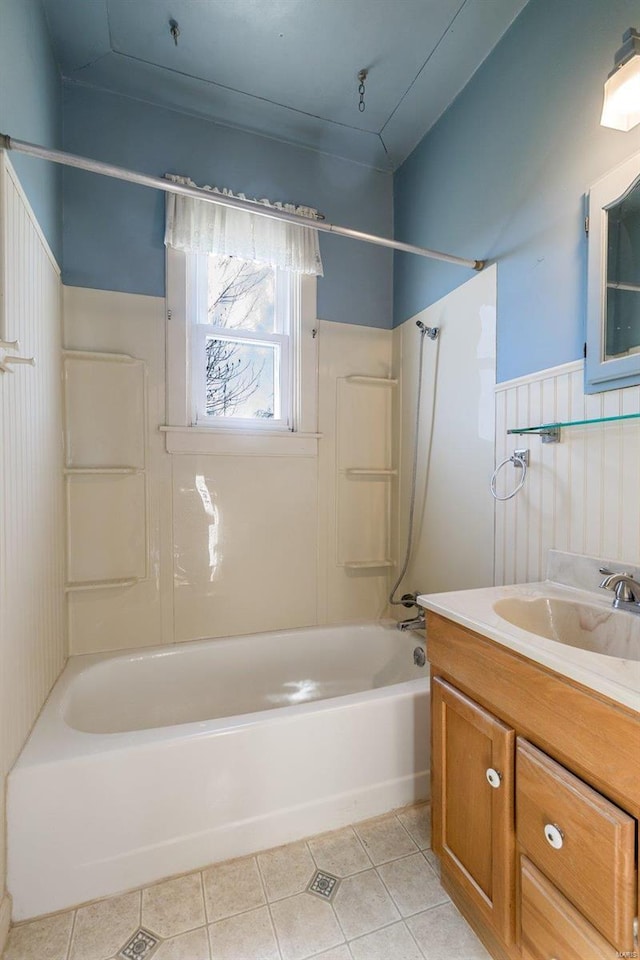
column 626, row 589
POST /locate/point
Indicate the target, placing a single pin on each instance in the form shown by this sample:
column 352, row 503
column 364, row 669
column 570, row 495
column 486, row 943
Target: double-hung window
column 241, row 330
column 244, row 332
column 241, row 346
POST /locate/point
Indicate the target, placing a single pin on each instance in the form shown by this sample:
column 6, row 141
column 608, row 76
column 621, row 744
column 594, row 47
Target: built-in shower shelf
column 102, row 584
column 381, row 381
column 368, row 564
column 102, row 471
column 550, row 432
column 100, row 356
column 367, row 472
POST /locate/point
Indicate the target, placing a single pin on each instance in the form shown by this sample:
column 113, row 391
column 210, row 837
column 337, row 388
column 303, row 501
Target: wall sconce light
column 621, row 109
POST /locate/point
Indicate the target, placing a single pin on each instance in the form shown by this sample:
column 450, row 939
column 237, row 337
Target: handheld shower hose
column 409, row 599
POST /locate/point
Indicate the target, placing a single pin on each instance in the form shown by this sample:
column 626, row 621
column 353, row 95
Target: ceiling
column 288, row 68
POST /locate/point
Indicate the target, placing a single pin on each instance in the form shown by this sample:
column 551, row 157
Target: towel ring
column 519, row 458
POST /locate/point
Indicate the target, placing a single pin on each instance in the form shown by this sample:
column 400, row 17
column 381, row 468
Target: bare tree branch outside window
column 241, row 303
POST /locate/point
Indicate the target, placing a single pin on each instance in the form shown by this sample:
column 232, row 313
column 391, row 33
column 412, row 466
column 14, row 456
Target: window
column 247, row 319
column 241, row 347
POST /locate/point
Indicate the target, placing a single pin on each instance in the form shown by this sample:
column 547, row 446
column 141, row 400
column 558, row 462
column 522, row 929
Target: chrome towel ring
column 520, row 460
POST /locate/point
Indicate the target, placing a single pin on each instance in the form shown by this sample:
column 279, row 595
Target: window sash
column 284, row 300
column 180, row 369
column 287, row 325
column 205, row 331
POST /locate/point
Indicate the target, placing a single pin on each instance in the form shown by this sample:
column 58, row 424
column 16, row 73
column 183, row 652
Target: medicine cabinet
column 613, row 289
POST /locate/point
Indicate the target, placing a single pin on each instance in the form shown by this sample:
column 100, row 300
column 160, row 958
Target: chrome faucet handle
column 626, row 588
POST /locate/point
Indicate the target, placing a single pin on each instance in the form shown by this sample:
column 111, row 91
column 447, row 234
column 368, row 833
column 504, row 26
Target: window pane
column 242, row 379
column 241, row 295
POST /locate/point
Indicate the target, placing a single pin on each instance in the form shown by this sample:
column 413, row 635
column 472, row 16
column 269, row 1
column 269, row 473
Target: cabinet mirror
column 613, row 308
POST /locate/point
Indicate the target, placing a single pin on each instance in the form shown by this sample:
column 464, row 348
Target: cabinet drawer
column 582, row 842
column 551, row 927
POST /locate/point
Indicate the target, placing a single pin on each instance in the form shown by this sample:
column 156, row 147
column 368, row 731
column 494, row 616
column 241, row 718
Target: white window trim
column 230, row 437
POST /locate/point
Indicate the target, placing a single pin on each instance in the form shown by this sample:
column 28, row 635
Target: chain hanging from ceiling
column 362, row 76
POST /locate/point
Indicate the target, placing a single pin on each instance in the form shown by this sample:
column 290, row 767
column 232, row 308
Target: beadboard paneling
column 581, row 494
column 32, row 617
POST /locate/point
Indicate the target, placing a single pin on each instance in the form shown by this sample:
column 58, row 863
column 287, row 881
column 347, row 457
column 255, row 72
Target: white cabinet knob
column 493, row 777
column 553, row 835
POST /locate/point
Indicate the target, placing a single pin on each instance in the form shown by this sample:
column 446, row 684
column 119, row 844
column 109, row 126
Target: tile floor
column 367, row 892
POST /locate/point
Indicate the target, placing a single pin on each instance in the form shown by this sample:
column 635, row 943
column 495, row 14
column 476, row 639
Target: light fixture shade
column 621, row 109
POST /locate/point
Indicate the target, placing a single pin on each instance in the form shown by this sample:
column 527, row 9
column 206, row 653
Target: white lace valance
column 200, row 227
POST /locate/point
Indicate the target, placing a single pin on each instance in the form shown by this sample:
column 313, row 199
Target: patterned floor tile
column 433, row 861
column 188, row 946
column 231, row 888
column 443, row 932
column 305, row 926
column 46, row 939
column 385, row 839
column 286, row 870
column 338, row 953
column 417, row 822
column 362, row 904
column 391, row 942
column 324, row 885
column 140, row 946
column 173, row 907
column 103, row 928
column 339, row 853
column 412, row 884
column 249, row 936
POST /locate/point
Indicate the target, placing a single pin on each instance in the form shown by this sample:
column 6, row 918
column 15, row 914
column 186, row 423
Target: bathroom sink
column 597, row 629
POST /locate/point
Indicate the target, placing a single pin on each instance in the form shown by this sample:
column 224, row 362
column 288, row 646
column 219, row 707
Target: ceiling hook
column 174, row 30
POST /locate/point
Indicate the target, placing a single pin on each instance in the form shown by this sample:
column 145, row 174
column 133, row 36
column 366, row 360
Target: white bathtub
column 156, row 762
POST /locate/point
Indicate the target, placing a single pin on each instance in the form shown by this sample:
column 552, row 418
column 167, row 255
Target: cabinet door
column 473, row 820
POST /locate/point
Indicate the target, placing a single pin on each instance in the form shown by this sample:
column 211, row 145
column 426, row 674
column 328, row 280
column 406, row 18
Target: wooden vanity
column 536, row 801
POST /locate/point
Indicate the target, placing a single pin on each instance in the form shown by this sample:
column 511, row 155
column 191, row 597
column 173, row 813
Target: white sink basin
column 612, row 633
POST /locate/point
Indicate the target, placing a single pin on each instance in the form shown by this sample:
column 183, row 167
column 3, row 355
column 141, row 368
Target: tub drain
column 419, row 657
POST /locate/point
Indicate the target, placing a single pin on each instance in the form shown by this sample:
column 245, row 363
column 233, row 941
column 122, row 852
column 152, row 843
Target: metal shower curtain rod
column 252, row 206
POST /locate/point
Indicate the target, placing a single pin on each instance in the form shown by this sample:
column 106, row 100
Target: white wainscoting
column 32, row 609
column 581, row 495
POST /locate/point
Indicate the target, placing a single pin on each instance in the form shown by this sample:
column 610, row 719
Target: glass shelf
column 550, row 432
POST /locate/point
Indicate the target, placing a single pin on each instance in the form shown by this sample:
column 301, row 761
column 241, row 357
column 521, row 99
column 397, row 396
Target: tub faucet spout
column 413, row 623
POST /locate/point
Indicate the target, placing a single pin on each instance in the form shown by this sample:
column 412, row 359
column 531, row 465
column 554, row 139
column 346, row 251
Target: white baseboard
column 5, row 920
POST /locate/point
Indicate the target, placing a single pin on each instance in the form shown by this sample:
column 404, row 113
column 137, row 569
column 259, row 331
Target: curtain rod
column 252, row 206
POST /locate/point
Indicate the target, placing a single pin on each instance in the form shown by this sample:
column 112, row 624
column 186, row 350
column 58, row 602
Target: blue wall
column 31, row 107
column 113, row 232
column 504, row 173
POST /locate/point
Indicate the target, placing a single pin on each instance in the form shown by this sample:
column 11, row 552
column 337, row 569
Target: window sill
column 241, row 443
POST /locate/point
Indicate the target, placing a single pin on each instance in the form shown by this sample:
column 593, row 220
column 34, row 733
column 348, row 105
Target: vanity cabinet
column 536, row 798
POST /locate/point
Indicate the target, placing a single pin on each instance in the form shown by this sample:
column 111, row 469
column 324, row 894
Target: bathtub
column 150, row 763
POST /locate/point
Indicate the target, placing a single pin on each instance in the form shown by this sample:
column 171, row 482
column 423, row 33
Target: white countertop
column 615, row 678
